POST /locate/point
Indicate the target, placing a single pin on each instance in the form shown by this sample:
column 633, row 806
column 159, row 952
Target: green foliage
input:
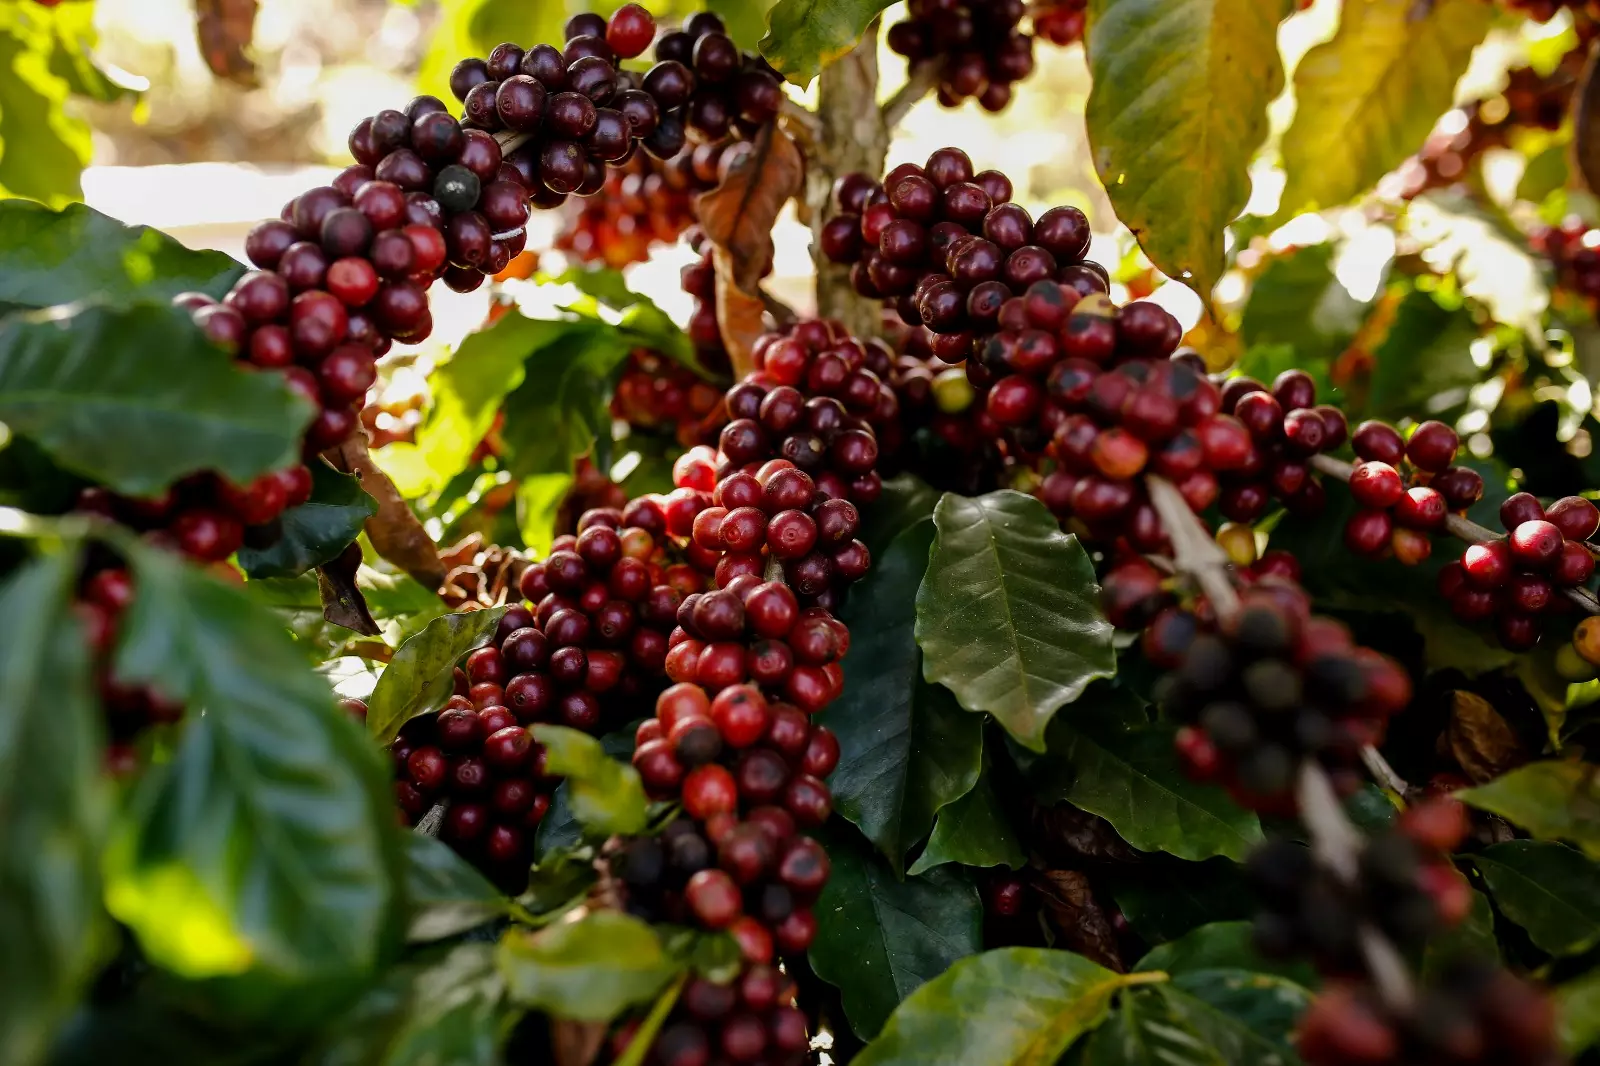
column 803, row 36
column 43, row 150
column 606, row 796
column 1010, row 1007
column 1008, row 615
column 56, row 257
column 446, row 895
column 315, row 532
column 1222, row 946
column 1298, row 310
column 1550, row 890
column 137, row 398
column 420, row 676
column 879, row 937
column 591, row 969
column 265, row 843
column 973, row 831
column 1578, row 1010
column 906, row 747
column 1367, row 98
column 1424, row 365
column 53, row 930
column 1551, row 800
column 1178, row 109
column 1168, row 899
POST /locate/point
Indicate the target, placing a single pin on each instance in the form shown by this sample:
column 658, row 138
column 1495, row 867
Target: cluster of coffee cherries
column 978, row 46
column 643, row 203
column 1573, row 249
column 1395, row 519
column 1267, row 687
column 945, row 247
column 1404, row 888
column 1061, row 22
column 722, row 91
column 103, row 597
column 941, row 427
column 1516, row 578
column 752, row 1019
column 656, row 394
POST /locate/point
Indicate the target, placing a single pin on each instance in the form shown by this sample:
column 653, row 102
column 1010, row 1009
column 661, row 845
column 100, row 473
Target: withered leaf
column 395, row 530
column 1078, row 919
column 342, row 602
column 225, row 29
column 574, row 1043
column 1062, row 833
column 1480, row 739
column 1586, row 123
column 739, row 316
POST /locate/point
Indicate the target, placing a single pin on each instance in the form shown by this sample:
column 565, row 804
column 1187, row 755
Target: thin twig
column 509, row 142
column 1380, row 769
column 781, row 312
column 1460, row 527
column 1194, row 550
column 924, row 76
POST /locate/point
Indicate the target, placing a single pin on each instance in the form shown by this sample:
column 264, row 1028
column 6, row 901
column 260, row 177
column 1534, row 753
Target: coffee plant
column 1177, row 647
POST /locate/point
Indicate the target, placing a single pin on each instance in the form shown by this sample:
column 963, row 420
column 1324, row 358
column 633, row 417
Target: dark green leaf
column 714, row 955
column 906, row 500
column 1008, row 616
column 1247, row 1018
column 561, row 410
column 447, row 1010
column 421, row 675
column 53, row 804
column 591, row 970
column 1168, row 899
column 560, row 879
column 42, row 149
column 56, row 257
column 138, row 398
column 1298, row 306
column 606, row 795
column 1551, row 800
column 1366, row 99
column 973, row 831
column 1425, row 361
column 1550, row 890
column 906, row 747
column 1223, row 946
column 880, row 938
column 643, row 323
column 1146, row 1029
column 1471, row 938
column 1010, row 1007
column 447, row 895
column 1178, row 109
column 266, row 842
column 803, row 36
column 559, row 827
column 1132, row 779
column 318, row 530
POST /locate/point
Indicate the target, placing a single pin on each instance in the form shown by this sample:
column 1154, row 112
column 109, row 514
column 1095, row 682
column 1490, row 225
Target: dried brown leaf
column 225, row 29
column 739, row 317
column 576, row 1043
column 1078, row 919
column 1480, row 739
column 1064, row 834
column 1586, row 123
column 395, row 531
column 342, row 602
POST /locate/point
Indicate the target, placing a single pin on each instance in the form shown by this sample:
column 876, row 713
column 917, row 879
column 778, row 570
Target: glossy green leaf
column 1132, row 779
column 1578, row 1013
column 43, row 150
column 1552, row 800
column 1223, row 946
column 591, row 970
column 559, row 827
column 318, row 530
column 1008, row 615
column 138, row 398
column 1367, row 98
column 1246, row 1018
column 559, row 880
column 974, row 831
column 447, row 895
column 1298, row 305
column 906, row 500
column 267, row 841
column 1146, row 1029
column 421, row 675
column 57, row 257
column 880, row 938
column 1009, row 1007
column 562, row 408
column 53, row 804
column 448, row 1009
column 606, row 795
column 1170, row 897
column 906, row 747
column 1550, row 890
column 803, row 36
column 539, row 500
column 1178, row 109
column 637, row 316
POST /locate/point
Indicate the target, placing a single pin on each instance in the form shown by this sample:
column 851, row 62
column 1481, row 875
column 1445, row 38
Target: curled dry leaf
column 737, row 217
column 1480, row 739
column 574, row 1043
column 342, row 602
column 1079, row 920
column 225, row 28
column 395, row 531
column 1062, row 833
column 1586, row 123
column 479, row 577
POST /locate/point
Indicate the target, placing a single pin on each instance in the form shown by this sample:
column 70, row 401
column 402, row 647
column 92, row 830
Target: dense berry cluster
column 1395, row 518
column 643, row 203
column 1061, row 22
column 946, row 248
column 1521, row 576
column 752, row 1019
column 977, row 45
column 941, row 427
column 659, row 395
column 721, row 90
column 1269, row 687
